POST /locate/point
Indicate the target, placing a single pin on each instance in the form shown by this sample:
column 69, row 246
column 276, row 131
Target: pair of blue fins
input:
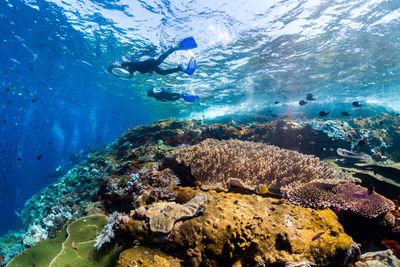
column 186, row 44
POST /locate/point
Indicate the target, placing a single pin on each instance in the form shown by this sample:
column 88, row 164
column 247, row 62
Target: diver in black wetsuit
column 126, row 69
column 165, row 96
column 152, row 65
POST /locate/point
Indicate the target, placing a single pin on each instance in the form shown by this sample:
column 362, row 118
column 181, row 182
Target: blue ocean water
column 58, row 102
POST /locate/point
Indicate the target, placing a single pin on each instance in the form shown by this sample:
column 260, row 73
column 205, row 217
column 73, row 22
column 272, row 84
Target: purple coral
column 357, row 199
column 346, row 196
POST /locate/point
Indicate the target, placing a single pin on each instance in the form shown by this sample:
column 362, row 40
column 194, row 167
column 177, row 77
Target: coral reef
column 11, row 245
column 219, row 165
column 124, row 178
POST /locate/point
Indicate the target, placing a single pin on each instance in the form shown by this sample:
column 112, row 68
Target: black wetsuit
column 151, row 65
column 164, row 96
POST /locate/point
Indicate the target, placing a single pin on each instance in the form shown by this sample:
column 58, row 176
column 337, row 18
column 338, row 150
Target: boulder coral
column 219, row 165
column 253, row 230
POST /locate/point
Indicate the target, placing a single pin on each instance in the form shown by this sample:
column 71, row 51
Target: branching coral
column 107, row 234
column 221, row 164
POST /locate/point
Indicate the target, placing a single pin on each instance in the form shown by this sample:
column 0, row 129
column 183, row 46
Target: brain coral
column 219, row 165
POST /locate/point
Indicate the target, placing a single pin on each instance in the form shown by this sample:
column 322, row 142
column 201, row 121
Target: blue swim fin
column 190, row 98
column 191, row 67
column 187, row 43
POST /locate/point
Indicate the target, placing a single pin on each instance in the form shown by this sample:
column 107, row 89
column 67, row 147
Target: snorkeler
column 126, row 69
column 165, row 96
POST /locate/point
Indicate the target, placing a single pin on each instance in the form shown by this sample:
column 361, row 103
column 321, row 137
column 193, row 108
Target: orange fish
column 74, row 245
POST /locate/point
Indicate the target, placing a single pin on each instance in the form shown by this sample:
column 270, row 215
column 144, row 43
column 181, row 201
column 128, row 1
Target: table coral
column 219, row 165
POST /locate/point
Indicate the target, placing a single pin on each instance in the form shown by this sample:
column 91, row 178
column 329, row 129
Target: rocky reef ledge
column 188, row 193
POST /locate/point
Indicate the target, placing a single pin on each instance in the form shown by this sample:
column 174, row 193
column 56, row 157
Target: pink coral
column 357, row 199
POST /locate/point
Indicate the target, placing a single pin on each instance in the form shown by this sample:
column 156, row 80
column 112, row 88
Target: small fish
column 371, row 189
column 317, row 235
column 362, row 142
column 276, row 102
column 312, row 142
column 1, row 259
column 269, row 111
column 73, row 244
column 302, row 102
column 90, row 255
column 351, row 154
column 274, row 116
column 356, row 104
column 284, row 105
column 396, row 229
column 39, row 157
column 303, row 117
column 310, row 97
column 337, row 209
column 323, row 114
column 345, row 113
column 34, row 100
column 360, row 194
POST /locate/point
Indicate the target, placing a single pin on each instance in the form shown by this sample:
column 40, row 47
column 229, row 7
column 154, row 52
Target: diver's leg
column 165, row 55
column 168, row 71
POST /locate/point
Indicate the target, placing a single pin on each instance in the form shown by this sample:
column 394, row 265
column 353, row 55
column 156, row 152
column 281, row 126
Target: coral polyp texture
column 345, row 196
column 219, row 165
column 360, row 201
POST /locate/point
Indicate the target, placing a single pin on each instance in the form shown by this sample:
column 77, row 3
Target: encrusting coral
column 163, row 215
column 219, row 165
